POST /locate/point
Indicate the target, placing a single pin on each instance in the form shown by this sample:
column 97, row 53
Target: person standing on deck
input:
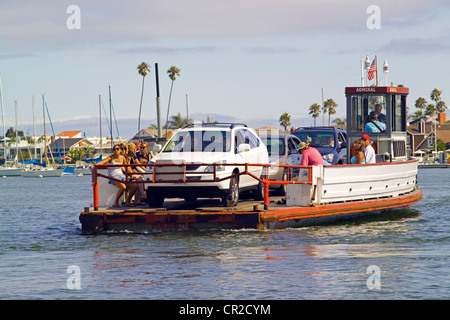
column 369, row 151
column 310, row 156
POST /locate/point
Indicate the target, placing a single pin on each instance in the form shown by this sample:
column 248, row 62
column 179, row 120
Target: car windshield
column 199, row 141
column 275, row 146
column 318, row 139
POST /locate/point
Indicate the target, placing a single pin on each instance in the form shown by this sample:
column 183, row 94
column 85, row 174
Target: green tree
column 173, row 72
column 177, row 121
column 314, row 111
column 339, row 121
column 329, row 107
column 76, row 154
column 209, row 120
column 285, row 120
column 143, row 68
column 421, row 103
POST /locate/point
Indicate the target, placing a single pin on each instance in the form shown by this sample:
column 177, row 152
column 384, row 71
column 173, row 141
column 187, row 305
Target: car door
column 294, row 155
column 250, row 157
column 342, row 139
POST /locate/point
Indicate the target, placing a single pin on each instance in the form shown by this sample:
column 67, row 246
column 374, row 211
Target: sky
column 240, row 60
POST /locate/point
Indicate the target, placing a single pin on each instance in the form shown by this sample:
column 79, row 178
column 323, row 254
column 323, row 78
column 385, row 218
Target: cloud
column 416, row 46
column 27, row 26
column 272, row 50
column 169, row 50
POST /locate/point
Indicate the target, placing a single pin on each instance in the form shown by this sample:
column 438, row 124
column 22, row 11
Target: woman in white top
column 118, row 173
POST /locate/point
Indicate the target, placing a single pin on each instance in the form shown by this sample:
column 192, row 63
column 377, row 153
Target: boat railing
column 179, row 173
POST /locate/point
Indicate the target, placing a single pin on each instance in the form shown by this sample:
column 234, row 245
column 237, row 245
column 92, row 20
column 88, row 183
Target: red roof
column 69, row 134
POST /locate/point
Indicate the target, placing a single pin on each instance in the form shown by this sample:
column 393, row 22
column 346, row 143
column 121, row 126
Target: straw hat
column 302, row 145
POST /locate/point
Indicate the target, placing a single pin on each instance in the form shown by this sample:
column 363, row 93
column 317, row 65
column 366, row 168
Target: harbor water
column 43, row 255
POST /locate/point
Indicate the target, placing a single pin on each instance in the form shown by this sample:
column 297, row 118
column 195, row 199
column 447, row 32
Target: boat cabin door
column 380, row 113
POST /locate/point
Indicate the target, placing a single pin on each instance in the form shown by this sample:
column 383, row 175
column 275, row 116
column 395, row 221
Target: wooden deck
column 178, row 214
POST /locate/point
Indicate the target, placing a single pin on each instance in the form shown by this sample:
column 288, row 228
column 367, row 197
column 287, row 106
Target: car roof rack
column 231, row 125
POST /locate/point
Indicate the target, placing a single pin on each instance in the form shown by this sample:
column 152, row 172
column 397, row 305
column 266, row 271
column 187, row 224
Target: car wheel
column 281, row 191
column 232, row 197
column 259, row 192
column 155, row 200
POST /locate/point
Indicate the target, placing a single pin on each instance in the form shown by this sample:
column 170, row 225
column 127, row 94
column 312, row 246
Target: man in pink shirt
column 310, row 156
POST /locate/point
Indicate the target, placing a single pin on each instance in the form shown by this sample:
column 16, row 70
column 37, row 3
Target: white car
column 282, row 150
column 214, row 145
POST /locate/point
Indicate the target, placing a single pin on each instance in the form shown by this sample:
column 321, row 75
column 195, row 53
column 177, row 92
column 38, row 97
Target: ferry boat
column 320, row 194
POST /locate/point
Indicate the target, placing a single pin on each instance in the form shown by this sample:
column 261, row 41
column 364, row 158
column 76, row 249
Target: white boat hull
column 9, row 172
column 346, row 183
column 44, row 172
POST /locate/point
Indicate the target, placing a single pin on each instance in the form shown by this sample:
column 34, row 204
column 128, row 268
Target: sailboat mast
column 100, row 117
column 17, row 136
column 45, row 131
column 110, row 118
column 5, row 147
column 34, row 127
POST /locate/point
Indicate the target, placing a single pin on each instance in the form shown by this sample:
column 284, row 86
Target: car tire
column 231, row 198
column 155, row 200
column 281, row 191
column 258, row 194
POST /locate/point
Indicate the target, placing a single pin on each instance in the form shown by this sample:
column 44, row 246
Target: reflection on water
column 40, row 237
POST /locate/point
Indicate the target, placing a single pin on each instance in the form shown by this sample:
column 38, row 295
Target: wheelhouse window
column 361, row 106
column 398, row 113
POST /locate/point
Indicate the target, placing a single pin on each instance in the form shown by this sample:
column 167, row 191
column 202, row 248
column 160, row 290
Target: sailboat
column 42, row 170
column 6, row 170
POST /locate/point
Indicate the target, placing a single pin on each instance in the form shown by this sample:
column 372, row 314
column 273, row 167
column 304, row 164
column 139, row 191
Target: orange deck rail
column 151, row 175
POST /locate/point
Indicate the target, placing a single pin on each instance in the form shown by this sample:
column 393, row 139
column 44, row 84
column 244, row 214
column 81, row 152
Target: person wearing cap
column 310, row 156
column 369, row 151
column 374, row 125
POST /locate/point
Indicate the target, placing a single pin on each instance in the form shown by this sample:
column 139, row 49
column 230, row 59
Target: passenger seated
column 118, row 173
column 374, row 125
column 381, row 116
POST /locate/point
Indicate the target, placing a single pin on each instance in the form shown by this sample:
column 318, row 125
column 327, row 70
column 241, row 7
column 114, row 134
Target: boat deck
column 178, row 214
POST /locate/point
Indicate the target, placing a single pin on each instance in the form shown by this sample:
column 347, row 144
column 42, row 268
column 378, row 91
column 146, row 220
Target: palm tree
column 285, row 120
column 430, row 109
column 143, row 68
column 339, row 121
column 421, row 103
column 416, row 115
column 329, row 107
column 209, row 120
column 314, row 110
column 177, row 121
column 441, row 107
column 436, row 95
column 173, row 72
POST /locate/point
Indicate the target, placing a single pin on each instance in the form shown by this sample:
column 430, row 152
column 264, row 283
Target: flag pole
column 376, row 68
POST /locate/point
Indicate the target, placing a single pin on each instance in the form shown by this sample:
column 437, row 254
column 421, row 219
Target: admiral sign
column 376, row 90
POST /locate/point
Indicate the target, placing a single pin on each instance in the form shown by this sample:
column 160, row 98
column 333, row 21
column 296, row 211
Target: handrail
column 265, row 180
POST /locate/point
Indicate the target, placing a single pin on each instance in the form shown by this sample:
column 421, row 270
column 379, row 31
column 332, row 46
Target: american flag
column 372, row 70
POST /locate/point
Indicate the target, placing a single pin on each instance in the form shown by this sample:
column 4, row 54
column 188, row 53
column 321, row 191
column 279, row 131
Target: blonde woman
column 118, row 173
column 359, row 157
